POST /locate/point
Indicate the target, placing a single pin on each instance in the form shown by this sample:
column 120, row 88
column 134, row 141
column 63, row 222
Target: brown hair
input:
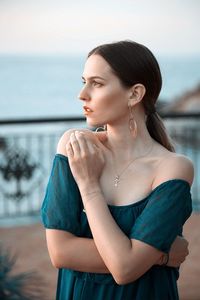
column 134, row 63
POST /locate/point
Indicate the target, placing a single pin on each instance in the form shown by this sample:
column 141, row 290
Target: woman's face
column 105, row 100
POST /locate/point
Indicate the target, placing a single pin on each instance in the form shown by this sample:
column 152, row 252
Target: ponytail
column 158, row 131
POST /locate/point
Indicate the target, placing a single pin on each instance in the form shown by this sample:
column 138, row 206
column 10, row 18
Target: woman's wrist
column 164, row 259
column 90, row 191
column 88, row 184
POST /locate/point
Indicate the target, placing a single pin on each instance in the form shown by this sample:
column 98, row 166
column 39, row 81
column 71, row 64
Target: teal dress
column 155, row 220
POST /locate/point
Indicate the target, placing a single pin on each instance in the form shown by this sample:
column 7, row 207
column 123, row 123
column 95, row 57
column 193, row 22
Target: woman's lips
column 87, row 109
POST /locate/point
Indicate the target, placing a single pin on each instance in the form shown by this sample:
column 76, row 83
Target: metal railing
column 27, row 148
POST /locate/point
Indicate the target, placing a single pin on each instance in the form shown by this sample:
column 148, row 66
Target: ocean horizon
column 47, row 86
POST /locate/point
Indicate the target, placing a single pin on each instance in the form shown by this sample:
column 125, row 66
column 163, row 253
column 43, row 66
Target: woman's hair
column 134, row 63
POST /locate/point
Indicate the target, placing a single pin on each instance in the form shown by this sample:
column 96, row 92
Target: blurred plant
column 23, row 286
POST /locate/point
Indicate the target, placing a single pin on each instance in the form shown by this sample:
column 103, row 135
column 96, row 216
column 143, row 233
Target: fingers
column 69, row 150
column 74, row 144
column 86, row 146
column 83, row 146
column 80, row 146
column 184, row 241
column 96, row 137
column 101, row 135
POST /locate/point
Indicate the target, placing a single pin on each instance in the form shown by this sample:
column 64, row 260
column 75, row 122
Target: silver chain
column 118, row 175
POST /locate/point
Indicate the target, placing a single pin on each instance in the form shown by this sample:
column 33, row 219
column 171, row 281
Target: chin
column 92, row 123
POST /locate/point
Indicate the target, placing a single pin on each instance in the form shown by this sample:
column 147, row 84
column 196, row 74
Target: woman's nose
column 83, row 95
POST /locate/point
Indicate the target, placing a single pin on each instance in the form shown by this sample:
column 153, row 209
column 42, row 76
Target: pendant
column 117, row 180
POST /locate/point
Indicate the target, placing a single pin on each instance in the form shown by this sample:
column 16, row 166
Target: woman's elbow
column 56, row 259
column 122, row 279
column 56, row 263
column 56, row 245
column 123, row 275
column 128, row 273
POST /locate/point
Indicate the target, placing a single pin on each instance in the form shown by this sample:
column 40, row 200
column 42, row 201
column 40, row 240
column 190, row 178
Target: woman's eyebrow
column 93, row 77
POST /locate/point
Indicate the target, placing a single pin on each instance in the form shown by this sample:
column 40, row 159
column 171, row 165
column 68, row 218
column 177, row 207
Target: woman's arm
column 81, row 254
column 69, row 251
column 126, row 259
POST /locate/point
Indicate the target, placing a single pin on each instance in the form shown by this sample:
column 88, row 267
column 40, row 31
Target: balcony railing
column 27, row 148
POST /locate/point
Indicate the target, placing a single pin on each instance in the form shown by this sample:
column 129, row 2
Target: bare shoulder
column 174, row 166
column 61, row 147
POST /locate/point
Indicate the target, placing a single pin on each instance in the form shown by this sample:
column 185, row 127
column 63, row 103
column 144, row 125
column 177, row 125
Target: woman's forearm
column 127, row 259
column 113, row 245
column 71, row 252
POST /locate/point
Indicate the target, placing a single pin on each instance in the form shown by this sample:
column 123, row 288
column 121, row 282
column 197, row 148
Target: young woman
column 116, row 202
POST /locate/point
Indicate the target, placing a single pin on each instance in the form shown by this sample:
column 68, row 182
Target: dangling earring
column 101, row 128
column 132, row 123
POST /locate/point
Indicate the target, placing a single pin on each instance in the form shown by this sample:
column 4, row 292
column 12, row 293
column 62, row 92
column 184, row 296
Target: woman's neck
column 124, row 146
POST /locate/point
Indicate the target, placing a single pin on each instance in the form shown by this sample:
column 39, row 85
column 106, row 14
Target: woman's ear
column 137, row 93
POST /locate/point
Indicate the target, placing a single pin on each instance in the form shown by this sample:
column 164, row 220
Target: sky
column 51, row 27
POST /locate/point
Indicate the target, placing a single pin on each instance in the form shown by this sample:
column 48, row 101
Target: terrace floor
column 29, row 243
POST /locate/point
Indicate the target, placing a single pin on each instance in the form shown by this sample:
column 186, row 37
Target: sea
column 48, row 85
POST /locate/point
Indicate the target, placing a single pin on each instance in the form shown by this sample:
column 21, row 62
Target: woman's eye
column 94, row 83
column 98, row 84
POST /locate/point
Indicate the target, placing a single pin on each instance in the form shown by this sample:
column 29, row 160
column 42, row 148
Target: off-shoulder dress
column 156, row 220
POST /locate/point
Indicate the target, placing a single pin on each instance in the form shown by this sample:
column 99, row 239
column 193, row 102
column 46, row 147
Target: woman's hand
column 178, row 252
column 86, row 159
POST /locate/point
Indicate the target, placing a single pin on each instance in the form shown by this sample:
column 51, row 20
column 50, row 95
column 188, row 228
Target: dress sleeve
column 62, row 202
column 162, row 219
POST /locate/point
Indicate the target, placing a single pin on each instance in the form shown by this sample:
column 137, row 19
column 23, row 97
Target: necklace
column 118, row 175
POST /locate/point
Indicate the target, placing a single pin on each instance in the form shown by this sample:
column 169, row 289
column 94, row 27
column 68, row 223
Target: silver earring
column 132, row 123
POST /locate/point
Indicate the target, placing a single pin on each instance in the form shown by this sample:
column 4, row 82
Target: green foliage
column 23, row 286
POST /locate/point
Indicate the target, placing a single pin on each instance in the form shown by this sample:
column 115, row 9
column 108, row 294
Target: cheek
column 113, row 97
